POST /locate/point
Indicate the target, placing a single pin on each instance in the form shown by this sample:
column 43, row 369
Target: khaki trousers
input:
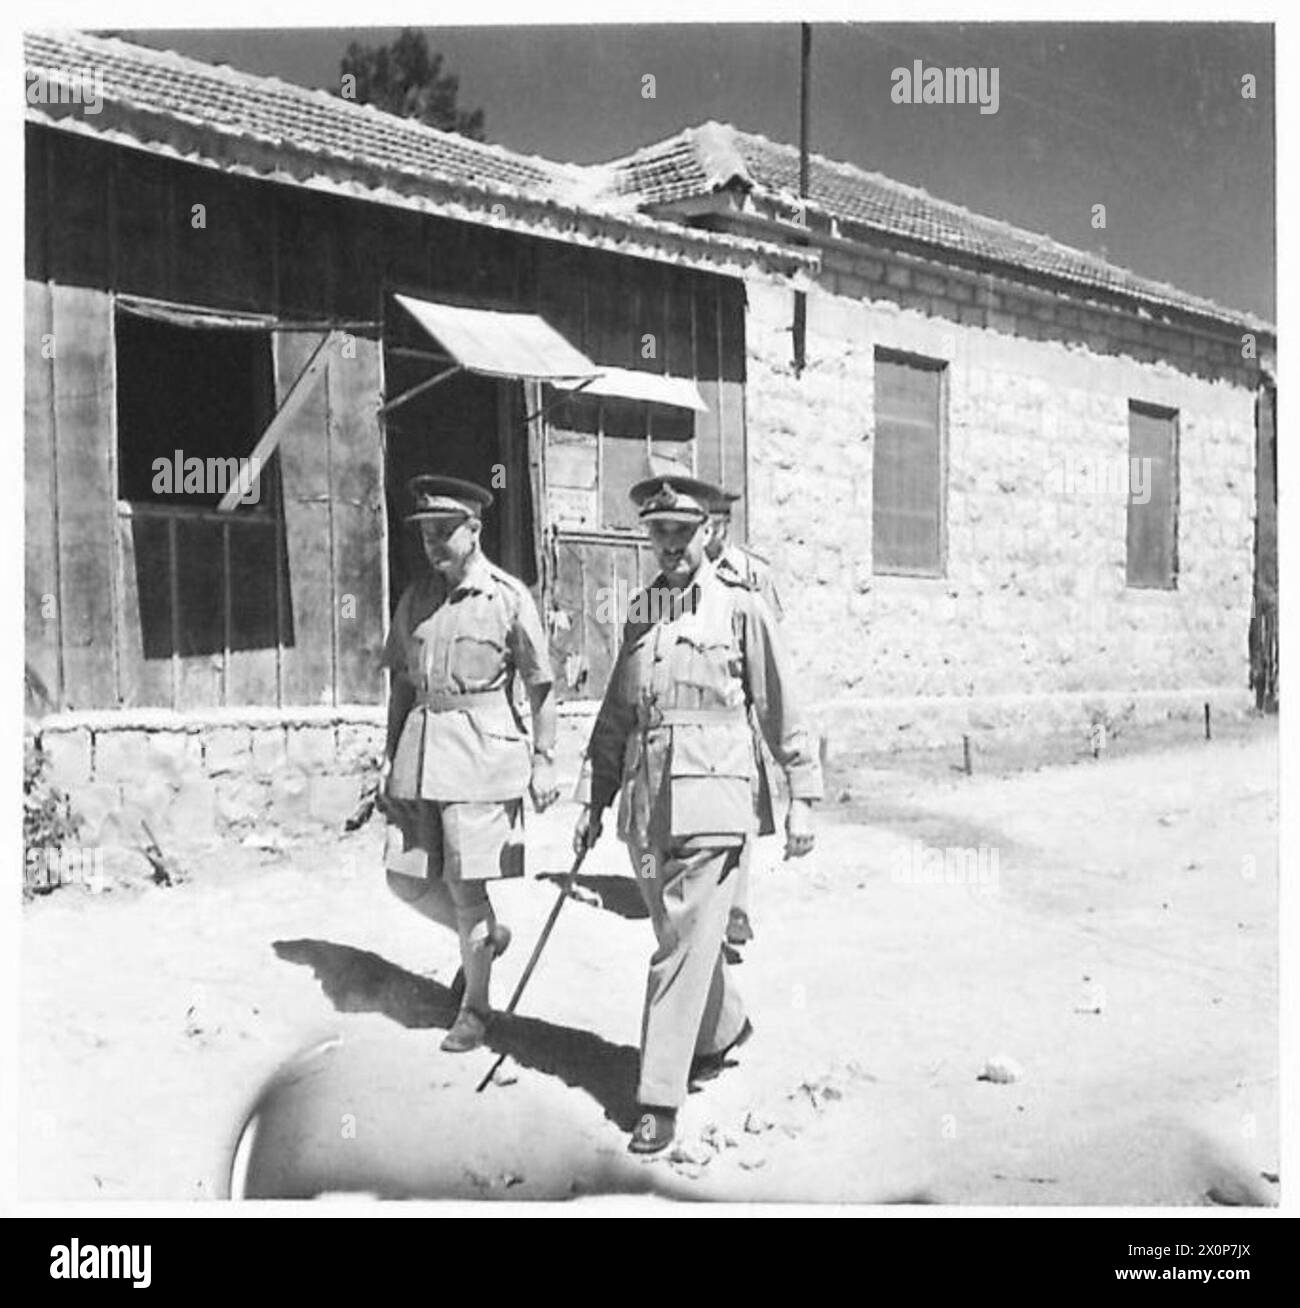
column 691, row 1004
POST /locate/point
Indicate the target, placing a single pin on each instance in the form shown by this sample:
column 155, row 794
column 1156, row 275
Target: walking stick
column 565, row 886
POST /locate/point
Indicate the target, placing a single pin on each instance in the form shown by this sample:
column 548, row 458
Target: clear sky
column 1147, row 119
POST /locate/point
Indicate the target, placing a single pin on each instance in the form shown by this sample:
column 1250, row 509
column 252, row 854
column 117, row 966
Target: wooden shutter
column 1152, row 554
column 907, row 467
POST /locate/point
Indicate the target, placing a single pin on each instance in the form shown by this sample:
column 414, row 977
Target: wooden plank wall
column 609, row 305
column 123, row 223
column 82, row 326
column 357, row 497
column 44, row 615
column 305, row 459
column 142, row 612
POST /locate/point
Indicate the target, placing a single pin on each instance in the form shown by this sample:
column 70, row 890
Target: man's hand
column 542, row 787
column 799, row 836
column 586, row 830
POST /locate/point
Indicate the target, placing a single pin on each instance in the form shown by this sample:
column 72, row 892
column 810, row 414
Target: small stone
column 753, row 1164
column 1002, row 1070
column 270, row 840
column 756, row 1123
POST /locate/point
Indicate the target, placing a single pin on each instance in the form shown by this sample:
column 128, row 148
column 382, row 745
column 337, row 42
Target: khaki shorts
column 455, row 841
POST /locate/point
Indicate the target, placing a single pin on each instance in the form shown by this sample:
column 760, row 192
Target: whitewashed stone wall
column 1034, row 603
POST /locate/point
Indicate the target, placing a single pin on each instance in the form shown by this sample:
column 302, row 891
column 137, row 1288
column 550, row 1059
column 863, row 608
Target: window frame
column 269, row 504
column 1172, row 416
column 941, row 367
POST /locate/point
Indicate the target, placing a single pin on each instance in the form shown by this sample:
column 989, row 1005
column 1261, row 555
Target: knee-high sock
column 474, row 924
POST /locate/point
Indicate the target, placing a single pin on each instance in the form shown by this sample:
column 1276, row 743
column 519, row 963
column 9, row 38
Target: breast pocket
column 477, row 662
column 711, row 780
column 708, row 663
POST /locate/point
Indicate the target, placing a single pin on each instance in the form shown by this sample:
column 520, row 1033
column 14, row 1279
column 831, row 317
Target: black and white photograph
column 625, row 616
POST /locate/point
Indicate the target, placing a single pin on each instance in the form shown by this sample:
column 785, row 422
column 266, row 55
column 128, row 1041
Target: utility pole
column 800, row 299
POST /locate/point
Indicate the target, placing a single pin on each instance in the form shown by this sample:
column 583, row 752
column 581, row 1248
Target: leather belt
column 651, row 716
column 452, row 702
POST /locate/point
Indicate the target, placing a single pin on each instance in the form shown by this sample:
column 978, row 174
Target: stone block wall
column 218, row 777
column 209, row 777
column 1034, row 598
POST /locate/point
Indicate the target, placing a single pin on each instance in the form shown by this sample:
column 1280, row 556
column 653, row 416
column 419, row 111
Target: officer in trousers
column 458, row 760
column 738, row 565
column 672, row 739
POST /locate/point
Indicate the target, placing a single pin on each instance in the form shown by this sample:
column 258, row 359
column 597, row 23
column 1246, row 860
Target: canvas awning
column 497, row 344
column 630, row 384
column 494, row 343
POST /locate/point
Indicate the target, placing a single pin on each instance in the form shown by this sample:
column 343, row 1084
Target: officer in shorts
column 458, row 761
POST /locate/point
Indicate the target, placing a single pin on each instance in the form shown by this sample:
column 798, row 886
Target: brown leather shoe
column 500, row 941
column 705, row 1067
column 653, row 1131
column 467, row 1032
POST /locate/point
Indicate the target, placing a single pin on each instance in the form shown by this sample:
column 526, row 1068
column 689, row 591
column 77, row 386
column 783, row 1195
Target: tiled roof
column 223, row 118
column 714, row 156
column 275, row 112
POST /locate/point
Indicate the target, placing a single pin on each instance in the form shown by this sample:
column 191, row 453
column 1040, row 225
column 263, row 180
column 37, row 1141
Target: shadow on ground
column 358, row 981
column 931, row 827
column 614, row 894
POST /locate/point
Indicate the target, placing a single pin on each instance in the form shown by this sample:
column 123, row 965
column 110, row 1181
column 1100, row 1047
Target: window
column 1152, row 554
column 598, row 449
column 192, row 402
column 907, row 521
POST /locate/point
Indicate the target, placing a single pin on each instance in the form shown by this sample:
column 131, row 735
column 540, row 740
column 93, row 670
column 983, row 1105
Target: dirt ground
column 1111, row 947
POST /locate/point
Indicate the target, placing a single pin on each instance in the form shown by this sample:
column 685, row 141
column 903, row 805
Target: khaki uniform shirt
column 739, row 566
column 673, row 734
column 473, row 641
